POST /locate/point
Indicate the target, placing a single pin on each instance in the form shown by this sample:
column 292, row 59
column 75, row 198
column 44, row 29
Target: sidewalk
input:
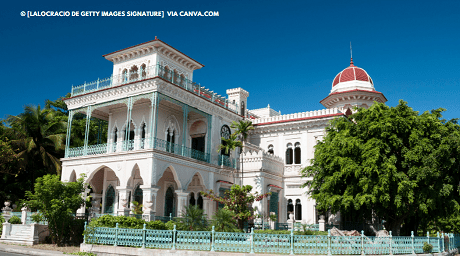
column 26, row 250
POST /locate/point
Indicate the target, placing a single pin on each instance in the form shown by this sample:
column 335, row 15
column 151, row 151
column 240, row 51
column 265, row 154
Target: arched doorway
column 170, row 202
column 109, row 200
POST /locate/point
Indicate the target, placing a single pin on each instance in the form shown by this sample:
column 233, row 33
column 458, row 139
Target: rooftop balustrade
column 152, row 72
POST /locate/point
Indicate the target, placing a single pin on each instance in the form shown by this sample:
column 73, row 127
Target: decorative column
column 184, row 128
column 129, row 106
column 149, row 202
column 181, row 202
column 153, row 119
column 88, row 121
column 123, row 194
column 322, row 223
column 69, row 133
column 206, row 207
column 82, row 209
column 137, row 138
column 208, row 139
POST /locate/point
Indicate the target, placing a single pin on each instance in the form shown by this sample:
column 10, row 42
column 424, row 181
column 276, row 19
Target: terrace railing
column 268, row 243
column 224, row 160
column 151, row 72
column 158, row 144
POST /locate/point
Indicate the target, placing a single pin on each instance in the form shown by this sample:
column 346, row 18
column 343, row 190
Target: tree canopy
column 390, row 162
column 238, row 200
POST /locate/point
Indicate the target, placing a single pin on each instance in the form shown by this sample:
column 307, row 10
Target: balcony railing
column 151, row 72
column 158, row 144
column 224, row 160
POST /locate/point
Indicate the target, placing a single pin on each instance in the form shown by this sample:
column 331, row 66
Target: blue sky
column 285, row 53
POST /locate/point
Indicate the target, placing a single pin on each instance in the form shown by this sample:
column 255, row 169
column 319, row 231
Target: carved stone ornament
column 124, row 203
column 148, row 205
column 321, row 217
column 7, row 207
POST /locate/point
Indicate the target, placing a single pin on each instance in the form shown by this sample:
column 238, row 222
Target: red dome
column 350, row 74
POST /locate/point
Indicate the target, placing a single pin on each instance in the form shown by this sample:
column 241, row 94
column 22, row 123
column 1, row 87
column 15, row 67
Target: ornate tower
column 352, row 87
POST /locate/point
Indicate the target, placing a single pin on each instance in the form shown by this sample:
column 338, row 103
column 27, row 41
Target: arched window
column 167, row 74
column 124, row 76
column 224, row 133
column 298, row 210
column 138, row 195
column 142, row 135
column 169, row 202
column 290, row 207
column 200, row 201
column 242, row 108
column 143, row 71
column 133, row 75
column 115, row 138
column 289, row 154
column 192, row 199
column 270, row 149
column 175, row 77
column 297, row 153
column 109, row 199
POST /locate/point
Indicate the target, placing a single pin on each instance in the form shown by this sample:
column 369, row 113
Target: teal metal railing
column 269, row 243
column 151, row 72
column 158, row 144
column 224, row 160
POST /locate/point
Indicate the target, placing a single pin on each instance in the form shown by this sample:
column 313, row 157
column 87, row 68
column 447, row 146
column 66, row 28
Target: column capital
column 181, row 193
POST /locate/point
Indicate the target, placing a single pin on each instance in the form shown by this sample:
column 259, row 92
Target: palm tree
column 242, row 128
column 40, row 135
column 193, row 219
column 223, row 220
column 229, row 144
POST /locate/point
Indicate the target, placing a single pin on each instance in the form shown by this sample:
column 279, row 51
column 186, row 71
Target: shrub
column 427, row 247
column 2, row 219
column 15, row 220
column 110, row 221
column 37, row 217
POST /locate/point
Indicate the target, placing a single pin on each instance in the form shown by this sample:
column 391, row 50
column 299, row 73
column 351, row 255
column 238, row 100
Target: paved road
column 10, row 254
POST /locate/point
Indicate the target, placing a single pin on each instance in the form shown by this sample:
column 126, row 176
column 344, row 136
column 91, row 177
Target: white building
column 164, row 133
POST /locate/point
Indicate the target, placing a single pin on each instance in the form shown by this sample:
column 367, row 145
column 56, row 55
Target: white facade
column 168, row 151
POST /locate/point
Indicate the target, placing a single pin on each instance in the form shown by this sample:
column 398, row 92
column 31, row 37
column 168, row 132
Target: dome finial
column 351, row 54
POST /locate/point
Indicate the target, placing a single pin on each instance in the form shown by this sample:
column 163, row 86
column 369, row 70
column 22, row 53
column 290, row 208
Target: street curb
column 28, row 251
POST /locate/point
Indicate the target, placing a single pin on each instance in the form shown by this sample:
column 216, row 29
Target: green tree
column 223, row 220
column 388, row 161
column 40, row 138
column 243, row 127
column 238, row 200
column 57, row 201
column 193, row 219
column 230, row 144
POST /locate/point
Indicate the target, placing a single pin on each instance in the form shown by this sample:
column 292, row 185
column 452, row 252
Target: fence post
column 212, row 239
column 362, row 242
column 84, row 234
column 174, row 238
column 292, row 241
column 252, row 241
column 143, row 236
column 442, row 242
column 329, row 243
column 391, row 243
column 412, row 236
column 439, row 244
column 428, row 236
column 116, row 235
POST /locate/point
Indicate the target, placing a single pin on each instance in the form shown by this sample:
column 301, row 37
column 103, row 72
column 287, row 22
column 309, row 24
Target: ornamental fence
column 268, row 243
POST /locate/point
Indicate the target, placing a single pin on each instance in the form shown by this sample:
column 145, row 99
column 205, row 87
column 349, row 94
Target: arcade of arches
column 110, row 196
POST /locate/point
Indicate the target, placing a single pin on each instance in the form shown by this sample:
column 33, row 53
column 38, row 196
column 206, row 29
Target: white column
column 149, row 202
column 181, row 202
column 206, row 207
column 123, row 194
